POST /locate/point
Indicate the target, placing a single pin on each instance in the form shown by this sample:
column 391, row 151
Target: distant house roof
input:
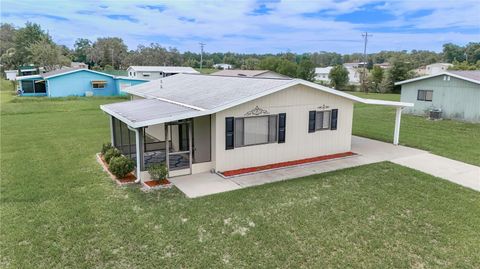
column 61, row 72
column 247, row 73
column 188, row 95
column 165, row 69
column 472, row 76
column 323, row 70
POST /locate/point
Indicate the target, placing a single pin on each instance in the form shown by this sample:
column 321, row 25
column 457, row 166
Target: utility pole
column 201, row 54
column 364, row 75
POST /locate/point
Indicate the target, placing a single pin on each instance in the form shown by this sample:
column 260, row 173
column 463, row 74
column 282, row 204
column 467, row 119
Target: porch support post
column 112, row 138
column 167, row 148
column 398, row 117
column 138, row 152
column 190, row 133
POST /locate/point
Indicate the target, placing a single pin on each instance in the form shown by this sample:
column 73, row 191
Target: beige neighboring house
column 78, row 65
column 433, row 69
column 156, row 72
column 321, row 73
column 249, row 73
column 204, row 123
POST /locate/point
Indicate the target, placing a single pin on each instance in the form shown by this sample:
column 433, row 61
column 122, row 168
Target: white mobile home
column 156, row 72
column 205, row 123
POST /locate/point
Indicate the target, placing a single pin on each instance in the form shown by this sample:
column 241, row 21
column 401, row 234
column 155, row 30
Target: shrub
column 158, row 171
column 105, row 147
column 113, row 152
column 120, row 166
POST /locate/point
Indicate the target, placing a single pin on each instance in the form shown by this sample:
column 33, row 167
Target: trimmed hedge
column 120, row 166
column 106, row 147
column 113, row 152
column 158, row 171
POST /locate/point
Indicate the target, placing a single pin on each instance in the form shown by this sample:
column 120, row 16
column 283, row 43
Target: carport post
column 398, row 117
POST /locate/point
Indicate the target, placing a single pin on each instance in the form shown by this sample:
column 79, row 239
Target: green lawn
column 453, row 139
column 206, row 70
column 60, row 210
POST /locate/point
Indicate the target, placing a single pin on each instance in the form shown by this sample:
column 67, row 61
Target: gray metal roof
column 165, row 69
column 144, row 110
column 186, row 96
column 471, row 74
column 204, row 91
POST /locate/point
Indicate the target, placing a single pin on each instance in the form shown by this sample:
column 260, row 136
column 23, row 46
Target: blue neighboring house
column 74, row 82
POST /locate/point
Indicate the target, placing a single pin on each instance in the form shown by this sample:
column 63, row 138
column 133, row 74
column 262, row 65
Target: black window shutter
column 311, row 121
column 334, row 119
column 229, row 133
column 281, row 127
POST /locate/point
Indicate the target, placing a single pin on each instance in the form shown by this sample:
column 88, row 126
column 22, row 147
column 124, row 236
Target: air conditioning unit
column 435, row 114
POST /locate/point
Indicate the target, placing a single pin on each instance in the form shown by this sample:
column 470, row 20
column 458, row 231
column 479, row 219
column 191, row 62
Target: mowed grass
column 449, row 138
column 60, row 210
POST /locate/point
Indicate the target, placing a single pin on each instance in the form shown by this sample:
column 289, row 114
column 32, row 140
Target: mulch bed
column 248, row 170
column 128, row 179
column 155, row 183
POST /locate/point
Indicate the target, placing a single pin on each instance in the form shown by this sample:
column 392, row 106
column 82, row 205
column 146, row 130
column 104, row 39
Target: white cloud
column 229, row 25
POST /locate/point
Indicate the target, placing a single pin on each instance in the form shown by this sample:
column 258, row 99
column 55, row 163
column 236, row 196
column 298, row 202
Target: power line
column 201, row 54
column 365, row 39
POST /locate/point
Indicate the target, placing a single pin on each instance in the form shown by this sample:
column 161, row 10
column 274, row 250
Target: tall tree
column 7, row 34
column 26, row 36
column 81, row 49
column 306, row 70
column 452, row 52
column 338, row 77
column 108, row 51
column 376, row 77
column 47, row 54
column 399, row 71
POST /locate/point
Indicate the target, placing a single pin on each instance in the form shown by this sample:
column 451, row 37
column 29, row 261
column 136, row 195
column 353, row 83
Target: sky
column 257, row 26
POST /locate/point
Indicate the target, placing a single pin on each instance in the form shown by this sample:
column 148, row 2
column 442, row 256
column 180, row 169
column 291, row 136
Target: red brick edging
column 128, row 179
column 254, row 169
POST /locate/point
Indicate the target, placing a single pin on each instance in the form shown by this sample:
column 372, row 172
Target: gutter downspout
column 137, row 152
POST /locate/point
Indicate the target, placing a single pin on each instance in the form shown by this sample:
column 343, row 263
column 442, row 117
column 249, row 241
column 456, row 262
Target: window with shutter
column 282, row 120
column 334, row 119
column 229, row 136
column 311, row 121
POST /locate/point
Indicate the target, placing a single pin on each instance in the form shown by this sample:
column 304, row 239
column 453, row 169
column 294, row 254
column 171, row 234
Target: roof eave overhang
column 436, row 75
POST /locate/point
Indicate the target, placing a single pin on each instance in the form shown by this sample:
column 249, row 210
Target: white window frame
column 272, row 135
column 322, row 113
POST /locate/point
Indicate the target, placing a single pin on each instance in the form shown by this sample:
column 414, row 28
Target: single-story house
column 156, row 72
column 11, row 74
column 74, row 82
column 222, row 66
column 321, row 74
column 455, row 93
column 202, row 123
column 249, row 73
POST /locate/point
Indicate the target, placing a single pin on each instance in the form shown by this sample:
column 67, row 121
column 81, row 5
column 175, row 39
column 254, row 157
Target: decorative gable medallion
column 256, row 112
column 323, row 107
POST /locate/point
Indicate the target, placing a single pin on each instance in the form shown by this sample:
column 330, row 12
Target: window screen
column 425, row 95
column 27, row 86
column 322, row 120
column 256, row 130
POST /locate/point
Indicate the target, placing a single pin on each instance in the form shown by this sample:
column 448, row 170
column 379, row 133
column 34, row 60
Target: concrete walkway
column 368, row 150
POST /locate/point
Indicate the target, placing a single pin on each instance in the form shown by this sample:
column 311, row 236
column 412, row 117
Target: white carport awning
column 144, row 112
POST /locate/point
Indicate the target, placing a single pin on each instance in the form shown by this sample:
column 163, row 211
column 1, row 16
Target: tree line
column 31, row 44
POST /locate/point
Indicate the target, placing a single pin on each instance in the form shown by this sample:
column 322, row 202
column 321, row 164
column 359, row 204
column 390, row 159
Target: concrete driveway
column 368, row 150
